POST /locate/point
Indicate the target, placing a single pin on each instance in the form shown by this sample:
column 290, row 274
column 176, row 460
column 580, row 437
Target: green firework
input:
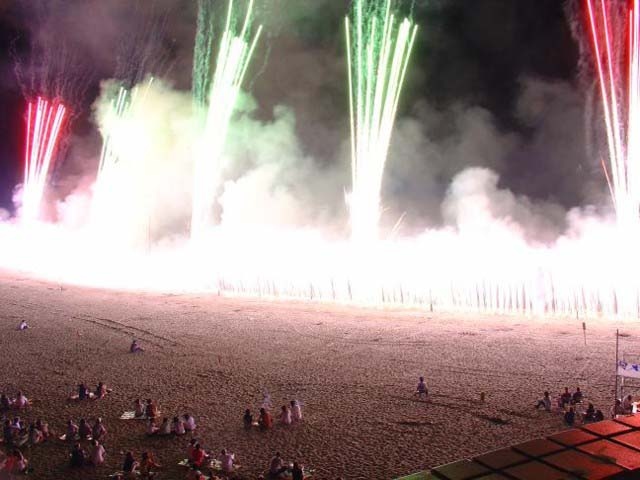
column 378, row 49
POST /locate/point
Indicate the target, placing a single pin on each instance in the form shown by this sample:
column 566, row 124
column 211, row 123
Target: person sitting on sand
column 198, row 456
column 15, row 463
column 247, row 419
column 617, row 409
column 43, row 427
column 165, row 427
column 421, row 389
column 570, row 417
column 590, row 413
column 23, row 325
column 226, row 460
column 5, row 403
column 138, row 408
column 83, row 392
column 7, row 432
column 72, row 430
column 151, row 410
column 96, row 456
column 276, row 466
column 21, row 401
column 545, row 402
column 178, row 426
column 577, row 396
column 135, row 347
column 130, row 464
column 296, row 411
column 101, row 390
column 296, row 472
column 565, row 398
column 191, row 448
column 98, row 431
column 78, row 456
column 285, row 415
column 189, row 422
column 151, row 427
column 627, row 405
column 84, row 430
column 265, row 421
column 147, row 464
column 35, row 435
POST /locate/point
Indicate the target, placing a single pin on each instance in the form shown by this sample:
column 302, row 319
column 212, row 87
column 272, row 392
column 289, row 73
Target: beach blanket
column 132, row 416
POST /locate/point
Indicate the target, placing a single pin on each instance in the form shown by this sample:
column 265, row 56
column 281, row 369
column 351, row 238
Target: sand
column 354, row 369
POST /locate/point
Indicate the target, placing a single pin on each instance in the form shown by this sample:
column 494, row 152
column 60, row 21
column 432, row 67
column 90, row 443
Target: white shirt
column 22, row 401
column 190, row 424
column 97, row 455
column 296, row 411
column 227, row 462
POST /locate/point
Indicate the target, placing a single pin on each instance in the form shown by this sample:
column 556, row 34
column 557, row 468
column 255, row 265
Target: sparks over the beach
column 619, row 80
column 378, row 49
column 234, row 55
column 45, row 119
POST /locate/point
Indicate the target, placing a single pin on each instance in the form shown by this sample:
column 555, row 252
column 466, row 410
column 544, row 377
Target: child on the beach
column 296, row 411
column 421, row 389
column 247, row 419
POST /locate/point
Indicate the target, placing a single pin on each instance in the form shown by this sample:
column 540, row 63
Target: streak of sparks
column 378, row 49
column 45, row 119
column 234, row 56
column 618, row 99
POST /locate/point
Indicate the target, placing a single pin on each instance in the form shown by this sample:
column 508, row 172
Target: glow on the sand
column 620, row 92
column 378, row 49
column 234, row 55
column 44, row 123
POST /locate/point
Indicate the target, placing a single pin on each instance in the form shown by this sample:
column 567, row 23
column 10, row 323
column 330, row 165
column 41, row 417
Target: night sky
column 511, row 63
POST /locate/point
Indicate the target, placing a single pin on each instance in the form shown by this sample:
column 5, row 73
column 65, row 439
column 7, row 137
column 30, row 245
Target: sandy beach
column 354, row 370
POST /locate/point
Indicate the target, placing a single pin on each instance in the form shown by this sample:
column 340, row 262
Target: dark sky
column 496, row 57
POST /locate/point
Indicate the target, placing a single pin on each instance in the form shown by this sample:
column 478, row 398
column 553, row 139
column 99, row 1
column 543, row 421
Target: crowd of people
column 571, row 406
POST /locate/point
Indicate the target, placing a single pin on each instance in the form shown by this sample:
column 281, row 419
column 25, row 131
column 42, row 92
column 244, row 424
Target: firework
column 44, row 123
column 378, row 49
column 614, row 31
column 233, row 58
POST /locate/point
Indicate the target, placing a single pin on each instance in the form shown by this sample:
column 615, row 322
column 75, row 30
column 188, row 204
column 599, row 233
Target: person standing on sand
column 421, row 389
column 23, row 325
column 247, row 419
